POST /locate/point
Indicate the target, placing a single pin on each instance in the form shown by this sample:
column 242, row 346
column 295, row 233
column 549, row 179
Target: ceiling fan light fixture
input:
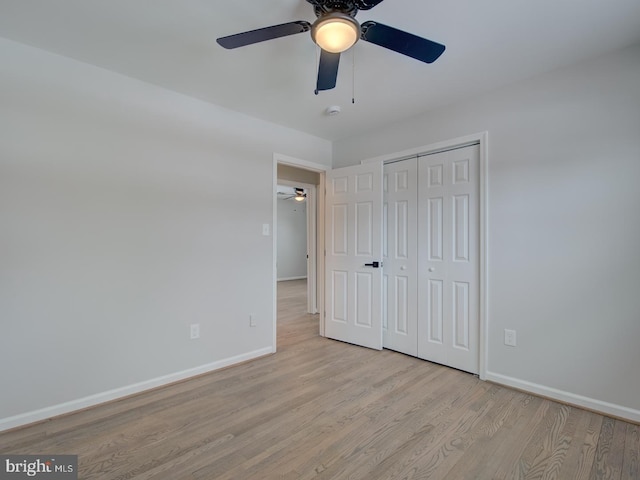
column 300, row 195
column 335, row 32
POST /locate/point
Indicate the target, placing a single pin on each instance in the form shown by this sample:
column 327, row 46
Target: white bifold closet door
column 400, row 252
column 431, row 267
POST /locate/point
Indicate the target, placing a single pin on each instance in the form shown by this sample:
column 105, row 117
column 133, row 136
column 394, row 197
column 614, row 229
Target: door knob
column 403, row 267
column 431, row 269
column 373, row 264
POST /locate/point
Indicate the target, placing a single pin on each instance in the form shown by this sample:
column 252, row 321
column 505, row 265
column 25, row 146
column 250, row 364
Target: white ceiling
column 172, row 44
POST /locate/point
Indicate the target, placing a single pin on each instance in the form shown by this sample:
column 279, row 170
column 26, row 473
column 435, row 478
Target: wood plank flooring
column 320, row 409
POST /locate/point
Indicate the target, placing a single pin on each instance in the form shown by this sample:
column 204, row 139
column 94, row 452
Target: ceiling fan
column 335, row 31
column 298, row 194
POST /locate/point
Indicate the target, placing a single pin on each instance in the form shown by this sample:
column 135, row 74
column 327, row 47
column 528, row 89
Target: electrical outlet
column 252, row 321
column 195, row 331
column 509, row 337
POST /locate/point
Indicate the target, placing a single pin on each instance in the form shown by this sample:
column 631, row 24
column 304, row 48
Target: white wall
column 117, row 233
column 292, row 239
column 564, row 225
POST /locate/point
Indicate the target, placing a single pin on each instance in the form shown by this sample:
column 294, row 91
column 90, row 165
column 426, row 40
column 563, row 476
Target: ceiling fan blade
column 263, row 34
column 402, row 42
column 327, row 70
column 367, row 4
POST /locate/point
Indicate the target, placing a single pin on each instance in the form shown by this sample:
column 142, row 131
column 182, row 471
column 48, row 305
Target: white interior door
column 400, row 252
column 353, row 282
column 449, row 266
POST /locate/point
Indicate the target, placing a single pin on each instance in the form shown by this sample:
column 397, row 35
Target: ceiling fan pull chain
column 353, row 77
column 317, row 69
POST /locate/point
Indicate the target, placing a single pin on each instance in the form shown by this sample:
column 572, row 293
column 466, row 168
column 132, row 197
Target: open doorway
column 292, row 228
column 296, row 252
column 293, row 178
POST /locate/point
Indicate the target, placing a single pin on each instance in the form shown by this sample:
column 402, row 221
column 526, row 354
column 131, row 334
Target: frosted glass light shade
column 335, row 32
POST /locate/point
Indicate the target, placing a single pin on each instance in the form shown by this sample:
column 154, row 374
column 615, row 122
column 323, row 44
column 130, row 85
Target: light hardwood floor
column 321, row 409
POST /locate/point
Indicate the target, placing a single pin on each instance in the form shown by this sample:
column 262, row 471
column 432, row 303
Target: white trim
column 431, row 148
column 291, row 278
column 320, row 257
column 599, row 406
column 274, row 254
column 312, row 251
column 481, row 138
column 115, row 394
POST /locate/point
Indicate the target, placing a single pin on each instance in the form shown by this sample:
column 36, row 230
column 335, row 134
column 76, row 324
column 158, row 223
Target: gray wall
column 564, row 224
column 117, row 233
column 292, row 239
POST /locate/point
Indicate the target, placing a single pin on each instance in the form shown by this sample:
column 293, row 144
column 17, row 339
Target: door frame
column 321, row 169
column 481, row 138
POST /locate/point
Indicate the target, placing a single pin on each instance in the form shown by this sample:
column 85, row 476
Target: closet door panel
column 400, row 257
column 449, row 263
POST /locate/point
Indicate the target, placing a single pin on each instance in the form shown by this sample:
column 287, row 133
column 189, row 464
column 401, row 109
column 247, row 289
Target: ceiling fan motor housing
column 350, row 7
column 324, row 7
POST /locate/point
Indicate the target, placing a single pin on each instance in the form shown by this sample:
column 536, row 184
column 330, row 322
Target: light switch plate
column 509, row 337
column 195, row 331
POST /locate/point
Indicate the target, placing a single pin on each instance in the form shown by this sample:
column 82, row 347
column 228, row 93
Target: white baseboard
column 599, row 406
column 291, row 278
column 92, row 400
